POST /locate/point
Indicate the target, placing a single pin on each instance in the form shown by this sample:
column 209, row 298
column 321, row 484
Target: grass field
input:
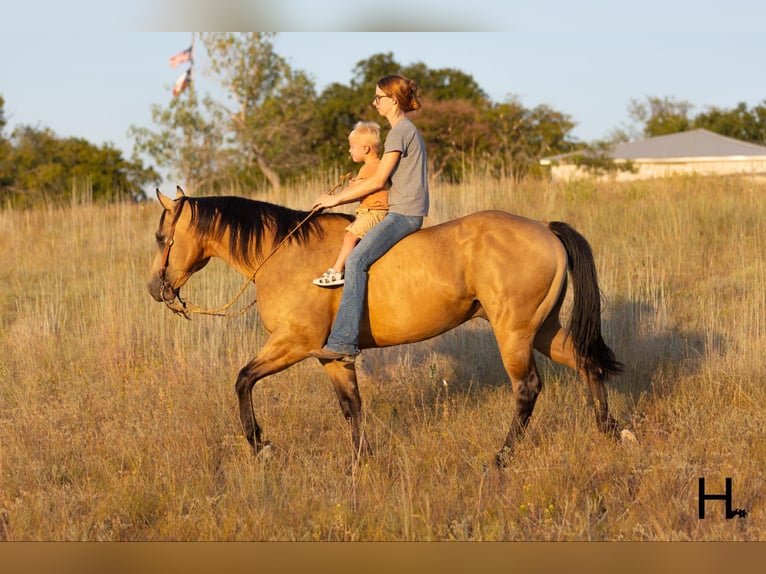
column 118, row 420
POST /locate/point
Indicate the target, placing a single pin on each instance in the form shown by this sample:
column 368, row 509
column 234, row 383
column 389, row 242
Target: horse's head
column 179, row 251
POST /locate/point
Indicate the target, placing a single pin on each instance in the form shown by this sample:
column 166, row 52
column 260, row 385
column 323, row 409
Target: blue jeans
column 344, row 337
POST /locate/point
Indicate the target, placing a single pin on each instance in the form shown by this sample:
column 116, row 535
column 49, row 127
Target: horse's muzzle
column 161, row 291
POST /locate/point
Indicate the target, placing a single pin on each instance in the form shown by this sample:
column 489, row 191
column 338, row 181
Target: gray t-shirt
column 409, row 180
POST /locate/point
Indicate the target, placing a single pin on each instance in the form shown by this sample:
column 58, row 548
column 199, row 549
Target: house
column 698, row 151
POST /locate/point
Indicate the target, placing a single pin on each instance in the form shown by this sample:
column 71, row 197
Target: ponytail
column 403, row 90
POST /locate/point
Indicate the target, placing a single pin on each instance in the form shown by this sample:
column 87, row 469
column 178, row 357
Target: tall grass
column 118, row 420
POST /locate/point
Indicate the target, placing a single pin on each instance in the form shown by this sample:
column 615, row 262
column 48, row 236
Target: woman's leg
column 345, row 330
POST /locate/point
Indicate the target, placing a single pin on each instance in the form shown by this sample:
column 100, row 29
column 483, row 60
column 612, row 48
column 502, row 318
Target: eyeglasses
column 378, row 97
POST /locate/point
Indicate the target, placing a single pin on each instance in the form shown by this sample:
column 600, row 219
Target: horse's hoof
column 504, row 457
column 266, row 451
column 627, row 437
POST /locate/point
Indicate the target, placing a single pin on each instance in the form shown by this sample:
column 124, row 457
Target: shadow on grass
column 655, row 355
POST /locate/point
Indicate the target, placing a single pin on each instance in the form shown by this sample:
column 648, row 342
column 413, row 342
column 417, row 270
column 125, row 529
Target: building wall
column 649, row 169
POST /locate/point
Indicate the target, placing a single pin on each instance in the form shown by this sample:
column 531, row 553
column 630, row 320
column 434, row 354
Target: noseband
column 164, row 283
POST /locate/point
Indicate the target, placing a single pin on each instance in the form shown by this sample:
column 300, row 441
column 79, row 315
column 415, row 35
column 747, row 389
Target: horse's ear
column 166, row 202
column 179, row 192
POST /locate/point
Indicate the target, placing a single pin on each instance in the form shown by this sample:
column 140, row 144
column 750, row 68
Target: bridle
column 164, row 283
column 185, row 307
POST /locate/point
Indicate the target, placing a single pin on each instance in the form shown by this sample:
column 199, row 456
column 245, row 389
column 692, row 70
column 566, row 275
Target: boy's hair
column 369, row 132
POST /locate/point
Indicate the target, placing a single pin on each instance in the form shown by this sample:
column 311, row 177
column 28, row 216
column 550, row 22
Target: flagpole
column 191, row 65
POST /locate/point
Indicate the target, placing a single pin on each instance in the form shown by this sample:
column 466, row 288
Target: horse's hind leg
column 520, row 364
column 552, row 341
column 343, row 377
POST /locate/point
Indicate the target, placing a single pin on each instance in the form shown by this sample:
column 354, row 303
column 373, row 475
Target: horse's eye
column 159, row 237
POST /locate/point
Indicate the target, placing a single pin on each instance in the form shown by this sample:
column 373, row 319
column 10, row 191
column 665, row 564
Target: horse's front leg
column 343, row 377
column 244, row 388
column 274, row 357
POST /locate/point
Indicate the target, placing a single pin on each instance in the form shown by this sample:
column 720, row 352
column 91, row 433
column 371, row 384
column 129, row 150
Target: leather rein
column 182, row 307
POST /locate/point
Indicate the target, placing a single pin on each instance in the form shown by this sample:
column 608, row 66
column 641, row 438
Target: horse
column 507, row 269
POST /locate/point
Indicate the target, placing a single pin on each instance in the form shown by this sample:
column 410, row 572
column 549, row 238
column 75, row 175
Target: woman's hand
column 325, row 200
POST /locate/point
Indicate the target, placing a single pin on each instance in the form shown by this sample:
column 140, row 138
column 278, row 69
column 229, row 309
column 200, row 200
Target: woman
column 404, row 163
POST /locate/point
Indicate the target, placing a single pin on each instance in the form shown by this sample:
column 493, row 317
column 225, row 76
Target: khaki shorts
column 365, row 220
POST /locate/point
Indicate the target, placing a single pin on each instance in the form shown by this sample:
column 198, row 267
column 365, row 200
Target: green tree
column 39, row 166
column 340, row 106
column 367, row 72
column 189, row 140
column 520, row 137
column 338, row 109
column 2, row 116
column 271, row 117
column 661, row 116
column 741, row 123
column 455, row 136
column 444, row 84
column 461, row 126
column 450, row 120
column 5, row 147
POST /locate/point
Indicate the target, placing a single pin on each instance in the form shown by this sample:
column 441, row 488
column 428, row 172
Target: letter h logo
column 741, row 512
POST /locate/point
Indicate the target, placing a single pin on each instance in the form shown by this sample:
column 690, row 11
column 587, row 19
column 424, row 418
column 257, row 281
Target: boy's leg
column 349, row 241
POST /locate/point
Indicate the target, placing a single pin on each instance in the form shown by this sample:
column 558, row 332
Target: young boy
column 364, row 146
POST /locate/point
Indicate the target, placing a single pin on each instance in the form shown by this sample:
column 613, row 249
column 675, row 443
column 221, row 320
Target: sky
column 93, row 68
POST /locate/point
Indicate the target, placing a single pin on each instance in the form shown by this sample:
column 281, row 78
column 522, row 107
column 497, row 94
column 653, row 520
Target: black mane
column 246, row 221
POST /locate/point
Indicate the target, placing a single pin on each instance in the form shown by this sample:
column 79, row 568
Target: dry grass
column 118, row 420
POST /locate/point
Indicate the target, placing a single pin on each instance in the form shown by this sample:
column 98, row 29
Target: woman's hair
column 403, row 90
column 369, row 132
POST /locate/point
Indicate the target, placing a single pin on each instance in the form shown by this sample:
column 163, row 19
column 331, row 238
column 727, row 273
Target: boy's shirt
column 377, row 199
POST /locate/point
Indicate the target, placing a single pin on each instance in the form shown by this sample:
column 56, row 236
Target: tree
column 5, row 147
column 189, row 140
column 740, row 122
column 661, row 116
column 460, row 124
column 454, row 134
column 271, row 118
column 2, row 116
column 272, row 125
column 450, row 120
column 445, row 84
column 39, row 166
column 340, row 106
column 520, row 137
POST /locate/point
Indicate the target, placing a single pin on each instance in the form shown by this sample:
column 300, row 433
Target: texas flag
column 181, row 57
column 181, row 83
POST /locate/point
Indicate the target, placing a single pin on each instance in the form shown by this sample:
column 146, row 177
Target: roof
column 693, row 143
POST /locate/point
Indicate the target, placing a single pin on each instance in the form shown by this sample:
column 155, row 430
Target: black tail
column 585, row 326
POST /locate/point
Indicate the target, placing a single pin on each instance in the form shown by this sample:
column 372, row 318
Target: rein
column 185, row 307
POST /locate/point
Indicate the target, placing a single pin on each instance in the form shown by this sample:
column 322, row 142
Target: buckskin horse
column 507, row 269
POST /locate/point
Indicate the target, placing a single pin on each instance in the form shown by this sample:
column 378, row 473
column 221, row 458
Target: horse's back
column 482, row 244
column 471, row 266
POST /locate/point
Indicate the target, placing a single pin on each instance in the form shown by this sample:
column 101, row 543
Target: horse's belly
column 413, row 315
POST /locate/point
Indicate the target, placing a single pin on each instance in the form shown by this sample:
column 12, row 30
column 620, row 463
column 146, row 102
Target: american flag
column 181, row 83
column 181, row 57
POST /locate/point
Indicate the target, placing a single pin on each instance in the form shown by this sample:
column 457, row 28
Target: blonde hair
column 369, row 132
column 403, row 90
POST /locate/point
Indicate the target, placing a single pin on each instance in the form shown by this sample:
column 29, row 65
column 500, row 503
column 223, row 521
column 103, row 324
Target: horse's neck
column 220, row 248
